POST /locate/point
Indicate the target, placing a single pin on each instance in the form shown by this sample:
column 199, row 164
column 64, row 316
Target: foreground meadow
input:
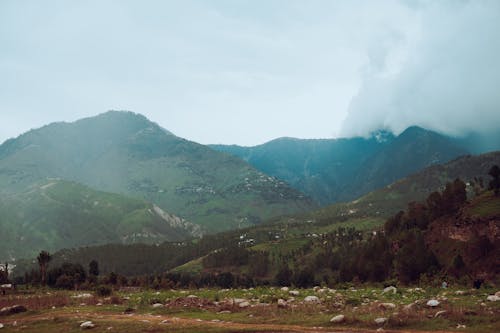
column 253, row 310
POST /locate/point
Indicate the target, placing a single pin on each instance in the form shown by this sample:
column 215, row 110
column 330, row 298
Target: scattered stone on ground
column 282, row 303
column 244, row 304
column 87, row 325
column 338, row 319
column 9, row 310
column 390, row 289
column 84, row 295
column 311, row 299
column 433, row 303
column 1, row 326
column 440, row 313
column 387, row 306
column 157, row 305
column 409, row 307
column 380, row 321
column 294, row 292
column 461, row 326
column 493, row 298
column 285, row 289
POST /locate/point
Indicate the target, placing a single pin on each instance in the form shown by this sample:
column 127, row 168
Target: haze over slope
column 55, row 214
column 126, row 153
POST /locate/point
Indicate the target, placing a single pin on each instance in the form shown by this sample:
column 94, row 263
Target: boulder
column 244, row 304
column 338, row 319
column 84, row 295
column 9, row 310
column 409, row 307
column 311, row 299
column 440, row 313
column 433, row 303
column 390, row 289
column 497, row 293
column 282, row 303
column 493, row 298
column 294, row 292
column 387, row 306
column 157, row 305
column 1, row 326
column 380, row 321
column 87, row 325
column 285, row 289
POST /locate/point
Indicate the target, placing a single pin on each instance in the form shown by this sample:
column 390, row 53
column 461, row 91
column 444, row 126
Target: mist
column 447, row 80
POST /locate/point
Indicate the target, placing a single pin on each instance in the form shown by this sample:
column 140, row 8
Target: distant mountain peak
column 382, row 135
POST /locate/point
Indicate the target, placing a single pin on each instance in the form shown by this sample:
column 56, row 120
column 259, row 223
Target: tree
column 94, row 268
column 495, row 182
column 43, row 261
column 284, row 276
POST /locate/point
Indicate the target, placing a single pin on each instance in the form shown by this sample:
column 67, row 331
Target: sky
column 246, row 72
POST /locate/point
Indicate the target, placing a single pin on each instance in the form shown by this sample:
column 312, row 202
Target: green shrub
column 104, row 291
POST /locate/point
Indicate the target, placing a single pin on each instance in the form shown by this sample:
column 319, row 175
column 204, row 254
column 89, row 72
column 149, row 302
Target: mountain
column 394, row 197
column 55, row 214
column 125, row 153
column 333, row 170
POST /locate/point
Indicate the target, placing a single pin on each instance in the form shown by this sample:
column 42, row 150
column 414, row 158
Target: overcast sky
column 246, row 72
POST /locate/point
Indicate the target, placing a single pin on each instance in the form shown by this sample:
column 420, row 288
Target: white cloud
column 448, row 80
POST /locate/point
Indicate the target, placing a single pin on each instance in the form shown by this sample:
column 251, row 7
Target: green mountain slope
column 343, row 169
column 55, row 214
column 319, row 168
column 126, row 153
column 416, row 187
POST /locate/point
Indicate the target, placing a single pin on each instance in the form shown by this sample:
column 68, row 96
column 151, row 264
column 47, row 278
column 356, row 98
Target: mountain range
column 337, row 170
column 121, row 178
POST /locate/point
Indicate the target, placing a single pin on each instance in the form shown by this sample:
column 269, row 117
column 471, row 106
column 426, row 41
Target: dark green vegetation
column 344, row 169
column 125, row 153
column 387, row 201
column 55, row 214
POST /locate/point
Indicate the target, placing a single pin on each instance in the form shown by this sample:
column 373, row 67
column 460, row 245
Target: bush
column 103, row 291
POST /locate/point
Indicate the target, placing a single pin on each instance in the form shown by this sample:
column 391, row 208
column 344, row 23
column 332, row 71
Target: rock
column 311, row 299
column 433, row 303
column 380, row 329
column 387, row 306
column 497, row 293
column 294, row 292
column 87, row 325
column 192, row 296
column 9, row 310
column 461, row 326
column 282, row 303
column 440, row 313
column 244, row 304
column 238, row 300
column 493, row 298
column 459, row 292
column 1, row 326
column 409, row 307
column 166, row 321
column 338, row 319
column 84, row 295
column 157, row 305
column 224, row 312
column 380, row 321
column 390, row 289
column 285, row 289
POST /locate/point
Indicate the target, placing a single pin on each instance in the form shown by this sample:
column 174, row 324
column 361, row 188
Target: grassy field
column 216, row 310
